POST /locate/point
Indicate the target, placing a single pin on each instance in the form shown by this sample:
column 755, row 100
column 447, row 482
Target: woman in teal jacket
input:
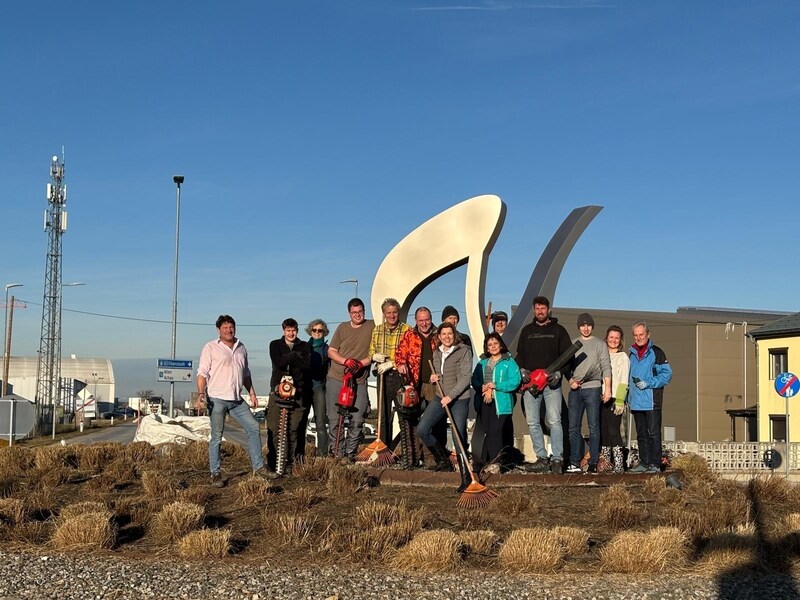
column 495, row 379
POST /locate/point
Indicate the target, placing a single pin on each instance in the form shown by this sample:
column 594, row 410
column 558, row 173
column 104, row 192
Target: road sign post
column 174, row 370
column 787, row 385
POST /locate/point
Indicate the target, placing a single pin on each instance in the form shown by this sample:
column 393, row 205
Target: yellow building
column 777, row 351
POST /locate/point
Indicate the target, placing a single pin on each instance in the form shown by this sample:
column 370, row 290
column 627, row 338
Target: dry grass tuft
column 482, row 541
column 139, row 453
column 196, row 494
column 175, row 520
column 85, row 532
column 120, row 472
column 376, row 542
column 13, row 510
column 718, row 515
column 618, row 509
column 193, row 455
column 656, row 551
column 699, row 489
column 205, row 543
column 305, row 497
column 574, row 539
column 313, row 468
column 433, row 551
column 158, row 486
column 49, row 457
column 772, row 489
column 233, row 454
column 515, row 501
column 693, row 524
column 41, row 502
column 15, row 461
column 791, row 523
column 729, row 550
column 693, row 466
column 375, row 514
column 81, row 508
column 471, row 519
column 96, row 457
column 346, row 480
column 33, row 533
column 253, row 490
column 52, row 478
column 534, row 550
column 295, row 529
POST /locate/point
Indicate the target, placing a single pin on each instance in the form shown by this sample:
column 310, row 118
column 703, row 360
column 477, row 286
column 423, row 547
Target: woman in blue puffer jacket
column 495, row 379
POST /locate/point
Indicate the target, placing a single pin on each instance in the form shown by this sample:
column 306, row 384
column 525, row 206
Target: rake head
column 476, row 495
column 377, row 453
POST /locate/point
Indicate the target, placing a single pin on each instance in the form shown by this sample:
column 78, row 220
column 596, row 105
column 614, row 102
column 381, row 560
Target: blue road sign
column 171, row 363
column 170, row 369
column 787, row 385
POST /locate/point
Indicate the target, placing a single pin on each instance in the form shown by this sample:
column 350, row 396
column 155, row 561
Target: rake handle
column 450, row 417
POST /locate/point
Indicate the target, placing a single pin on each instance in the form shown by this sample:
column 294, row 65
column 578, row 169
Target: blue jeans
column 435, row 413
column 580, row 400
column 241, row 412
column 533, row 410
column 355, row 434
column 648, row 434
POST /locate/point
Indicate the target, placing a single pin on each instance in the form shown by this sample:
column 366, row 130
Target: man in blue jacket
column 650, row 372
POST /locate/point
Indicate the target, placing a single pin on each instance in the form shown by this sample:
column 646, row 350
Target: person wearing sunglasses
column 318, row 330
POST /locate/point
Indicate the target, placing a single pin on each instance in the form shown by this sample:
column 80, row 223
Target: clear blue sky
column 315, row 135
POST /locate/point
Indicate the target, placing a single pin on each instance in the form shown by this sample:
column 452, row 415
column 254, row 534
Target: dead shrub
column 49, row 457
column 693, row 466
column 772, row 489
column 433, row 551
column 253, row 491
column 139, row 453
column 51, row 478
column 295, row 530
column 15, row 461
column 377, row 542
column 120, row 472
column 85, row 532
column 618, row 509
column 729, row 550
column 175, row 520
column 699, row 489
column 96, row 457
column 13, row 510
column 343, row 481
column 81, row 508
column 157, row 485
column 533, row 550
column 574, row 539
column 193, row 455
column 656, row 551
column 234, row 454
column 482, row 541
column 720, row 514
column 374, row 514
column 34, row 533
column 41, row 503
column 7, row 486
column 693, row 524
column 305, row 497
column 196, row 494
column 205, row 543
column 468, row 518
column 313, row 468
column 514, row 502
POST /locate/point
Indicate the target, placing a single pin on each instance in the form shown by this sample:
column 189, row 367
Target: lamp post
column 352, row 281
column 59, row 387
column 178, row 180
column 95, row 379
column 6, row 344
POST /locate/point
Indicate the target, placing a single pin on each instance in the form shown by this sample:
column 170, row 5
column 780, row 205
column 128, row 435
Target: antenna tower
column 55, row 224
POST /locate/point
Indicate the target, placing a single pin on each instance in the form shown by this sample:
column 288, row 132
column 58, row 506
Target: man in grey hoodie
column 591, row 369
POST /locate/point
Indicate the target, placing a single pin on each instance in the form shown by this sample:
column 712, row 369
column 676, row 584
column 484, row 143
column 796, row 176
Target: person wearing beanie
column 589, row 387
column 450, row 315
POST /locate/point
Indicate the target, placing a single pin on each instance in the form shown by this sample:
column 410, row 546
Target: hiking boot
column 265, row 473
column 466, row 477
column 574, row 469
column 640, row 468
column 556, row 466
column 216, row 480
column 592, row 470
column 442, row 457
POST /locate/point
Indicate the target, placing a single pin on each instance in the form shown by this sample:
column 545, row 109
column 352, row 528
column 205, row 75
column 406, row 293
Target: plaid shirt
column 385, row 340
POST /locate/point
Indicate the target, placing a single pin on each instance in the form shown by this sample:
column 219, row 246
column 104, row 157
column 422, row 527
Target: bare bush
column 139, row 454
column 33, row 533
column 157, row 485
column 374, row 514
column 618, row 509
column 13, row 510
column 305, row 497
column 205, row 543
column 295, row 529
column 344, row 481
column 515, row 501
column 313, row 468
column 196, row 494
column 693, row 466
column 81, row 508
column 574, row 539
column 772, row 489
column 658, row 550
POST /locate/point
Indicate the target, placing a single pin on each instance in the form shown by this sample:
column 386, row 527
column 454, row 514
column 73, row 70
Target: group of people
column 426, row 371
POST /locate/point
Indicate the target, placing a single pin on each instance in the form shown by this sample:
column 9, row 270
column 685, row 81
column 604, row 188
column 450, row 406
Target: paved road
column 124, row 432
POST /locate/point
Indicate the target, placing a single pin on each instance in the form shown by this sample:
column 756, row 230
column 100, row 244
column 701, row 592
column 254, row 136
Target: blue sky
column 315, row 135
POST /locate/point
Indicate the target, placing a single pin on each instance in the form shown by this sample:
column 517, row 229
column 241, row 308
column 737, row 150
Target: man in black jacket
column 291, row 357
column 540, row 344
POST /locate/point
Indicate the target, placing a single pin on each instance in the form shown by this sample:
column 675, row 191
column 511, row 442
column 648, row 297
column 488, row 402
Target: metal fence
column 738, row 456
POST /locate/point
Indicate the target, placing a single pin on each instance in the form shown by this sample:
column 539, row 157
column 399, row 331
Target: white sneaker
column 574, row 469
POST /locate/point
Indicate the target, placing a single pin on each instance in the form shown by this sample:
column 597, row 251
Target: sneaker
column 574, row 469
column 265, row 473
column 592, row 470
column 556, row 466
column 640, row 468
column 216, row 480
column 653, row 469
column 540, row 466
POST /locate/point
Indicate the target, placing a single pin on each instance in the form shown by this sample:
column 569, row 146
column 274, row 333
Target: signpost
column 787, row 385
column 170, row 369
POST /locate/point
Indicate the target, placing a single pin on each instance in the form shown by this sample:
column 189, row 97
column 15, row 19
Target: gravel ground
column 103, row 576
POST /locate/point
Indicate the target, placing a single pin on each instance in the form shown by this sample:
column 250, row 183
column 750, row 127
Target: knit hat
column 450, row 311
column 585, row 319
column 499, row 315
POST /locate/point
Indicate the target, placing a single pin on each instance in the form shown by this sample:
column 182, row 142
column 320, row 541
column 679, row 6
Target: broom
column 377, row 453
column 476, row 495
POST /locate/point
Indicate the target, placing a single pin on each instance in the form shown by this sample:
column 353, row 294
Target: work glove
column 641, row 384
column 379, row 357
column 553, row 378
column 619, row 409
column 352, row 364
column 385, row 366
column 525, row 380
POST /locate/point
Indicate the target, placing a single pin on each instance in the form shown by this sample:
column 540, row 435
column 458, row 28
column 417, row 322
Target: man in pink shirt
column 222, row 372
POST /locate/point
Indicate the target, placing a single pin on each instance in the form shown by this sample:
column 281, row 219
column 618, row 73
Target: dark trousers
column 610, row 425
column 648, row 433
column 392, row 382
column 294, row 436
column 496, row 428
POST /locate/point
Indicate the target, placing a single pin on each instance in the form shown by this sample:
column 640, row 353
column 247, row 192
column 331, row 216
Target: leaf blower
column 537, row 379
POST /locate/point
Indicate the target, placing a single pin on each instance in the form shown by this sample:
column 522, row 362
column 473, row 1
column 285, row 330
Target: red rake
column 377, row 453
column 476, row 495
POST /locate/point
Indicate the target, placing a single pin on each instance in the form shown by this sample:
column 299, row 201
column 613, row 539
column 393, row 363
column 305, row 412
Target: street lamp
column 6, row 350
column 352, row 281
column 178, row 180
column 59, row 387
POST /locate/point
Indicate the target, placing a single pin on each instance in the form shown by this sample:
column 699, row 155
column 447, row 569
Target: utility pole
column 55, row 224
